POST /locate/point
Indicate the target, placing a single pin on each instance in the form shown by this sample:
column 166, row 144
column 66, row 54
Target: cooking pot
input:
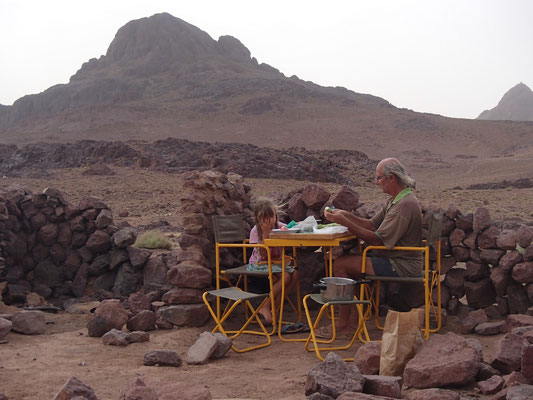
column 337, row 289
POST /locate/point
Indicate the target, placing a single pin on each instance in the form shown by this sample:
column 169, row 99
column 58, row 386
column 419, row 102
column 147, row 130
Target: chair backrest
column 434, row 227
column 229, row 228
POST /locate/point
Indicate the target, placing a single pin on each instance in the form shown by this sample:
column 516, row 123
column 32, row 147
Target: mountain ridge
column 515, row 105
column 162, row 77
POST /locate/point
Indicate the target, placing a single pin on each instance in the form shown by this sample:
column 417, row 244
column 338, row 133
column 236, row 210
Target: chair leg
column 232, row 334
column 312, row 342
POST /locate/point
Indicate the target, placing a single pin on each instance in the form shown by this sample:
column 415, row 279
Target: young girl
column 266, row 219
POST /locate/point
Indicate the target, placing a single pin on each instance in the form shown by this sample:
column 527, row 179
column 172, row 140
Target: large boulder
column 444, row 360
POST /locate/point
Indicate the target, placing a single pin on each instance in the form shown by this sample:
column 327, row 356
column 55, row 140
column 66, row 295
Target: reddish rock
column 465, row 222
column 473, row 319
column 183, row 296
column 448, row 225
column 528, row 254
column 28, row 322
column 91, row 202
column 388, row 386
column 517, row 299
column 75, row 389
column 333, row 376
column 314, row 196
column 48, row 233
column 492, row 385
column 509, row 260
column 476, row 271
column 189, row 274
column 486, row 371
column 523, row 272
column 115, row 337
column 138, row 257
column 367, row 358
column 143, row 321
column 99, row 242
column 506, row 240
column 155, row 273
column 501, row 280
column 524, row 236
column 491, row 256
column 470, row 240
column 345, row 199
column 487, row 238
column 489, row 328
column 481, row 219
column 514, row 378
column 185, row 314
column 480, row 294
column 507, row 353
column 139, row 301
column 461, row 253
column 527, row 361
column 433, row 394
column 446, row 264
column 162, row 358
column 444, row 360
column 520, row 392
column 454, row 279
column 457, row 236
column 517, row 320
column 112, row 311
column 191, row 254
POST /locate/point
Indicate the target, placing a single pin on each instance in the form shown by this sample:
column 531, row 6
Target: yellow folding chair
column 236, row 297
column 328, row 308
column 229, row 233
column 431, row 278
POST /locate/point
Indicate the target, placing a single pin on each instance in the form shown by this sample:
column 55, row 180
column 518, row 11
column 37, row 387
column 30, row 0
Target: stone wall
column 489, row 262
column 60, row 251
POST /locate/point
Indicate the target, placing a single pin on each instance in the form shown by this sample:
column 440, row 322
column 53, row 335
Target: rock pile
column 443, row 361
column 60, row 250
column 179, row 155
column 142, row 387
column 490, row 263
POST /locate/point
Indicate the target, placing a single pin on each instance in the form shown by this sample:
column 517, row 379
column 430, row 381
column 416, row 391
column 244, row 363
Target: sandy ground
column 35, row 367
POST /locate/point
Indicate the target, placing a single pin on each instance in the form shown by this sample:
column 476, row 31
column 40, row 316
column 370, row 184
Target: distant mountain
column 515, row 105
column 163, row 77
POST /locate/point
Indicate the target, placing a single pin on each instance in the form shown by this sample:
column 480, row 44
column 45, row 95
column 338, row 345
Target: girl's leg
column 290, row 282
column 266, row 309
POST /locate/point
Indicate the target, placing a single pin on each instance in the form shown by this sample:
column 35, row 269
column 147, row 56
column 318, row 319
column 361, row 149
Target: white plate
column 290, row 230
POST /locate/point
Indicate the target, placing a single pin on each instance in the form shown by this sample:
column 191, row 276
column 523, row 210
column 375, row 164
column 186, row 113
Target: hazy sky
column 454, row 57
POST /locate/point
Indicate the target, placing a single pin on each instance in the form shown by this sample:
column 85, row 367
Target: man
column 398, row 223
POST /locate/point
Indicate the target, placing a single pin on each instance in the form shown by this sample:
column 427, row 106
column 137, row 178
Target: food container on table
column 337, row 289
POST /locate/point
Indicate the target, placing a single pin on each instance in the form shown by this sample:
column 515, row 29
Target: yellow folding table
column 291, row 239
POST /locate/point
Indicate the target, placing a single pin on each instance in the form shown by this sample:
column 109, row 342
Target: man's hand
column 334, row 216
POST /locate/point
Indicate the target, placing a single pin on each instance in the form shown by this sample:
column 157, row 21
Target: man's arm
column 360, row 227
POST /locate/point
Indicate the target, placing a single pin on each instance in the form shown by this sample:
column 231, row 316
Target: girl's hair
column 264, row 209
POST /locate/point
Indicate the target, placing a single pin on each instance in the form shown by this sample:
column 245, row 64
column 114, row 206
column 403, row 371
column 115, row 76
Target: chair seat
column 235, row 294
column 320, row 300
column 242, row 270
column 395, row 278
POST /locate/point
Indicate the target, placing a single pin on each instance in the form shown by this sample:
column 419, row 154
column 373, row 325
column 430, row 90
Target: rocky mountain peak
column 515, row 105
column 163, row 37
